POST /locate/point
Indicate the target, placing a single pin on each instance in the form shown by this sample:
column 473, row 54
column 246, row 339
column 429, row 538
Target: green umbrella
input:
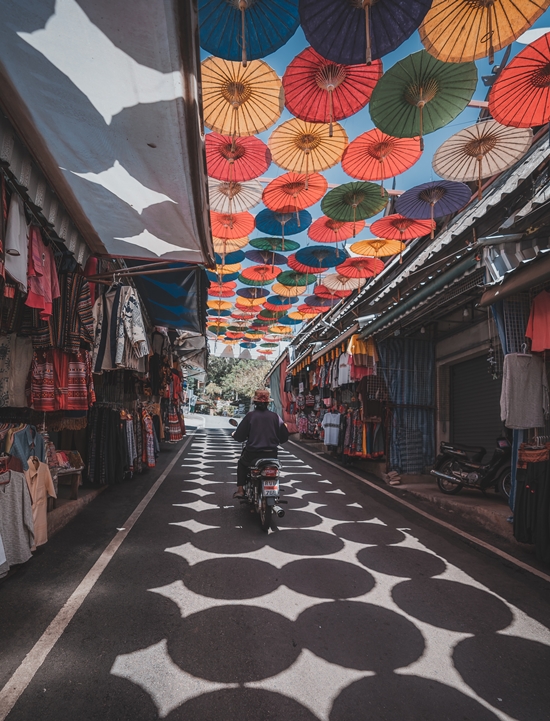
column 274, row 244
column 420, row 94
column 247, row 281
column 355, row 201
column 271, row 314
column 269, row 345
column 293, row 278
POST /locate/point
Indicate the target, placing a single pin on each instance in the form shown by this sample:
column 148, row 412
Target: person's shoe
column 239, row 493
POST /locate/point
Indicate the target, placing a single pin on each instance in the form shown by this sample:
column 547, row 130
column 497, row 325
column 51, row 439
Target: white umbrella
column 335, row 281
column 230, row 197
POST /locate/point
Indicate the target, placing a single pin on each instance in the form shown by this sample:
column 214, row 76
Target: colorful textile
column 61, row 381
column 43, row 284
column 148, row 441
column 538, row 327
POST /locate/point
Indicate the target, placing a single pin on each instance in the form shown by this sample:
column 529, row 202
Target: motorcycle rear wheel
column 265, row 515
column 504, row 484
column 450, row 489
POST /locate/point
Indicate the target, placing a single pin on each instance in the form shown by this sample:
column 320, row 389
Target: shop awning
column 336, row 342
column 529, row 273
column 106, row 96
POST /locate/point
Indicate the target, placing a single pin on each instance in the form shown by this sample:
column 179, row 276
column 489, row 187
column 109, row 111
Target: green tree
column 245, row 377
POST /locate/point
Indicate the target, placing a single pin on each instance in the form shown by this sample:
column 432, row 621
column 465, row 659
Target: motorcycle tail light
column 270, row 472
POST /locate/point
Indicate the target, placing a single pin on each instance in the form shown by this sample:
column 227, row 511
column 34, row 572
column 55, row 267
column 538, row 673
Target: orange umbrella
column 360, row 267
column 237, row 159
column 300, row 267
column 374, row 155
column 278, row 329
column 218, row 304
column 231, row 225
column 397, row 227
column 326, row 230
column 227, row 269
column 220, row 291
column 521, row 95
column 323, row 292
column 261, row 272
column 298, row 315
column 288, row 291
column 377, row 247
column 295, row 190
column 250, row 302
column 243, row 316
column 310, row 310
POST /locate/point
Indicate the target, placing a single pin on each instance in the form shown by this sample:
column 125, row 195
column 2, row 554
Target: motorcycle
column 262, row 488
column 458, row 466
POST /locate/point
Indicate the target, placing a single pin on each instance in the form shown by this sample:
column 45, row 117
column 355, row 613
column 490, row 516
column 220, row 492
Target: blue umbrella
column 281, row 300
column 247, row 345
column 225, row 278
column 285, row 320
column 253, row 292
column 266, row 257
column 229, row 258
column 219, row 313
column 319, row 257
column 316, row 302
column 274, row 223
column 353, row 33
column 246, row 30
column 433, row 200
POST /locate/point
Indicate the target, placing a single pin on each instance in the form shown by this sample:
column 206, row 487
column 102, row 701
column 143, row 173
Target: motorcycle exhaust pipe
column 279, row 511
column 452, row 479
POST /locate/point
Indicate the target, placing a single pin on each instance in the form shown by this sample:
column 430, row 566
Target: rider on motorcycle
column 263, row 431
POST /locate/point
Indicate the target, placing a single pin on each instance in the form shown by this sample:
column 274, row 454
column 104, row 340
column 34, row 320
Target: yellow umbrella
column 377, row 247
column 240, row 101
column 250, row 302
column 227, row 269
column 280, row 329
column 223, row 247
column 288, row 291
column 299, row 315
column 304, row 147
column 218, row 304
column 458, row 31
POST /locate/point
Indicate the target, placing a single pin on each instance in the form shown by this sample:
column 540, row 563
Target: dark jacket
column 262, row 430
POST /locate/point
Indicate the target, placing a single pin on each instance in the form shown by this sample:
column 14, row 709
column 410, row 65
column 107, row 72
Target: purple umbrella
column 266, row 257
column 433, row 200
column 253, row 292
column 316, row 302
column 352, row 33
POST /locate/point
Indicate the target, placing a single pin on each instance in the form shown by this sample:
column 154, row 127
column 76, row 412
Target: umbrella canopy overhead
column 294, row 279
column 377, row 247
column 354, row 201
column 222, row 246
column 320, row 258
column 252, row 293
column 218, row 304
column 433, row 200
column 236, row 159
column 239, row 100
column 309, row 310
column 327, row 230
column 266, row 257
column 480, row 151
column 322, row 291
column 246, row 30
column 229, row 258
column 320, row 91
column 374, row 155
column 306, row 148
column 294, row 190
column 316, row 301
column 212, row 312
column 230, row 196
column 358, row 32
column 277, row 302
column 338, row 282
column 360, row 267
column 283, row 223
column 288, row 291
column 397, row 227
column 277, row 329
column 227, row 269
column 520, row 96
column 294, row 264
column 216, row 276
column 261, row 273
column 221, row 291
column 287, row 320
column 251, row 303
column 421, row 94
column 227, row 226
column 266, row 314
column 274, row 244
column 457, row 31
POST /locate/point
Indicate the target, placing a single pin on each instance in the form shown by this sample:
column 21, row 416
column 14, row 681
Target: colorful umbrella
column 294, row 279
column 265, row 351
column 246, row 29
column 223, row 246
column 237, row 100
column 397, row 227
column 280, row 329
column 266, row 257
column 288, row 291
column 520, row 96
column 337, row 282
column 247, row 344
column 360, row 267
column 243, row 316
column 269, row 345
column 374, row 155
column 236, row 159
column 326, row 230
column 306, row 148
column 218, row 304
column 323, row 292
column 228, row 226
column 230, row 196
column 354, row 201
column 220, row 291
column 287, row 320
column 252, row 292
column 310, row 310
column 320, row 91
column 421, row 94
column 320, row 258
column 213, row 313
column 356, row 32
column 295, row 191
column 480, row 151
column 289, row 223
column 300, row 317
column 456, row 31
column 274, row 244
column 215, row 276
column 315, row 301
column 377, row 247
column 229, row 258
column 227, row 269
column 433, row 200
column 281, row 304
column 270, row 314
column 250, row 303
column 294, row 264
column 261, row 273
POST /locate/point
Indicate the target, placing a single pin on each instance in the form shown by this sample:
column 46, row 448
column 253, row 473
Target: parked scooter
column 458, row 466
column 262, row 488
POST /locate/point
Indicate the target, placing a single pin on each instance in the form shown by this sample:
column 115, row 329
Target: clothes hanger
column 524, row 351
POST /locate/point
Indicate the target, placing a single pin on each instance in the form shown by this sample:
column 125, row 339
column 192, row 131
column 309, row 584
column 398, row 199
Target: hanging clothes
column 27, row 442
column 538, row 327
column 42, row 276
column 331, row 427
column 15, row 362
column 16, row 520
column 40, row 484
column 16, row 244
column 524, row 397
column 61, row 381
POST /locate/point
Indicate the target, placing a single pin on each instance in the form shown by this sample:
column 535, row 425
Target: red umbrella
column 324, row 292
column 300, row 267
column 398, row 227
column 235, row 225
column 520, row 96
column 243, row 316
column 270, row 306
column 375, row 155
column 292, row 190
column 310, row 310
column 223, row 290
column 237, row 159
column 326, row 230
column 360, row 267
column 261, row 272
column 321, row 91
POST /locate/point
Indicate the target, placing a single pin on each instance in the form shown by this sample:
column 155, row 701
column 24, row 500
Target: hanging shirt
column 40, row 484
column 524, row 396
column 42, row 276
column 16, row 245
column 331, row 426
column 344, row 369
column 16, row 522
column 538, row 327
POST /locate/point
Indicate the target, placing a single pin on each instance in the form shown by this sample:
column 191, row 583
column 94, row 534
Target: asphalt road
column 353, row 609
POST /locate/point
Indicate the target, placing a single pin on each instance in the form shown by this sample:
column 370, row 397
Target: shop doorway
column 475, row 404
